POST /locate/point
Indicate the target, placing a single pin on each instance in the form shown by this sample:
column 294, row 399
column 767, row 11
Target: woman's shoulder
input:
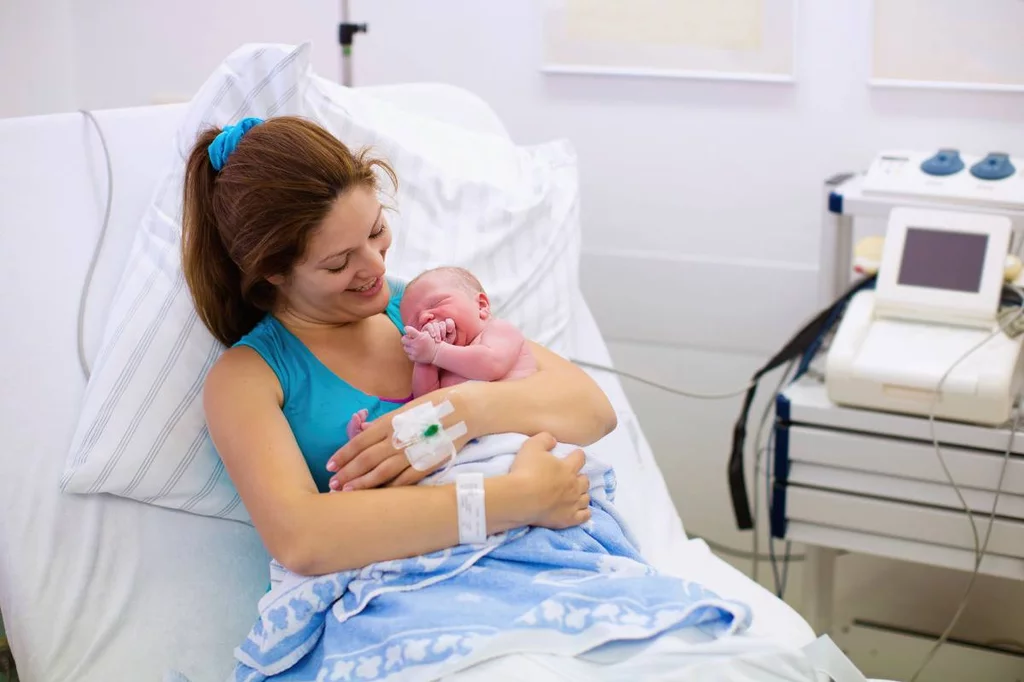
column 240, row 369
column 253, row 358
column 265, row 331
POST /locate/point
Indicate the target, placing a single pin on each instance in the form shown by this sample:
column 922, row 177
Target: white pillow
column 469, row 199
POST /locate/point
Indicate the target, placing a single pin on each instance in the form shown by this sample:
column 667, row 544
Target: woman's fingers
column 373, row 432
column 544, row 441
column 576, row 459
column 363, row 463
column 383, row 474
column 408, row 477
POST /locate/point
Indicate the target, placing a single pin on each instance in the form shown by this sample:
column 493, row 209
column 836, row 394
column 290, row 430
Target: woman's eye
column 379, row 231
column 339, row 268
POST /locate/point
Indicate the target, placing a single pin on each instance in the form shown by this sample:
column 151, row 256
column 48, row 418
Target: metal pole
column 346, row 50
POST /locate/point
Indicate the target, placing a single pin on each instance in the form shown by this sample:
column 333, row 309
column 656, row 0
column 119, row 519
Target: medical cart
column 857, row 480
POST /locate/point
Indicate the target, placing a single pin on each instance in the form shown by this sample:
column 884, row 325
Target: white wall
column 701, row 210
column 131, row 52
column 37, row 46
column 61, row 55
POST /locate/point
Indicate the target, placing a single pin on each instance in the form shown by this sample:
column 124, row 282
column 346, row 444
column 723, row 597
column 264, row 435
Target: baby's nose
column 426, row 316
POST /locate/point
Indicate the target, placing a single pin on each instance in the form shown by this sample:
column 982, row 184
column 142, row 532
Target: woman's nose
column 374, row 263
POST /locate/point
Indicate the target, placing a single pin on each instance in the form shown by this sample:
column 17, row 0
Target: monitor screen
column 941, row 259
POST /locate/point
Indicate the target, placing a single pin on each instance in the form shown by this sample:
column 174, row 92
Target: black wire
column 786, row 559
column 769, row 473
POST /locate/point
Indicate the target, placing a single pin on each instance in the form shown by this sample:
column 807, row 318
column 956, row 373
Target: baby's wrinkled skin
column 451, row 336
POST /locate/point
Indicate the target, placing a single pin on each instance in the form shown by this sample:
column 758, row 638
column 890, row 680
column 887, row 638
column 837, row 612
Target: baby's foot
column 357, row 423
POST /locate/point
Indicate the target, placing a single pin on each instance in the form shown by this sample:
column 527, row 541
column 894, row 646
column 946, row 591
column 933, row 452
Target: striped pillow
column 141, row 432
column 509, row 214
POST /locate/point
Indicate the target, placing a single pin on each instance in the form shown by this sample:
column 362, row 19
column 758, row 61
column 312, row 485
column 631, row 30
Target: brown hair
column 253, row 218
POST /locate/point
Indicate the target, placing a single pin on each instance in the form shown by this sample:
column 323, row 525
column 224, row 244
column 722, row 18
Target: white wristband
column 469, row 495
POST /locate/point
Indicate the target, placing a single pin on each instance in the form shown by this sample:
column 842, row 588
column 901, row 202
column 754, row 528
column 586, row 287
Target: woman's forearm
column 560, row 399
column 341, row 531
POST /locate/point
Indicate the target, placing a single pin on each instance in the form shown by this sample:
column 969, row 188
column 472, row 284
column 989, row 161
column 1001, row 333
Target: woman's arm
column 559, row 398
column 312, row 533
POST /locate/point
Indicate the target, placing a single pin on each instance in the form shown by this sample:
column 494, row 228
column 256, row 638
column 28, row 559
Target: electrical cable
column 760, row 449
column 82, row 360
column 977, row 562
column 780, row 577
column 737, row 553
column 753, row 555
column 663, row 387
column 979, row 547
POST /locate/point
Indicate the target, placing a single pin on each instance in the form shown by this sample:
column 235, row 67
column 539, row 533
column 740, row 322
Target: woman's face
column 340, row 279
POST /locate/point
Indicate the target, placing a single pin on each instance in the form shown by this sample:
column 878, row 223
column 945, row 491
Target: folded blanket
column 529, row 590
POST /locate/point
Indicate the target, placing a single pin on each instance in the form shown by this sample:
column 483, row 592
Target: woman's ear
column 276, row 280
column 484, row 304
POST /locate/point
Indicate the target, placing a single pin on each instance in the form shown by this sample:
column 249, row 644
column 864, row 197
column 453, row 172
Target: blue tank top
column 317, row 403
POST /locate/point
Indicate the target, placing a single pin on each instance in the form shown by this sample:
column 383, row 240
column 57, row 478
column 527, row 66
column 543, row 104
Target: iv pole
column 346, row 32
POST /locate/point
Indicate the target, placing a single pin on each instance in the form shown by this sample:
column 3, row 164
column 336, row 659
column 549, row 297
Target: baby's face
column 437, row 298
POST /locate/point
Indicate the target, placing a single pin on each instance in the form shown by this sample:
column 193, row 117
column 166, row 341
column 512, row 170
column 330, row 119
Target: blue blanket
column 529, row 590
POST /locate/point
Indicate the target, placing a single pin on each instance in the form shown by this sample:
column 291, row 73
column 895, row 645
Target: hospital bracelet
column 469, row 495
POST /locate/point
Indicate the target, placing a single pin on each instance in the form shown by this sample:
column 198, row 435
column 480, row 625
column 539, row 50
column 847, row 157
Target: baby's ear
column 484, row 304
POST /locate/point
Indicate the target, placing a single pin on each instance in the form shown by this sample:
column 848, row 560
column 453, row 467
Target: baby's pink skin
column 452, row 337
column 357, row 423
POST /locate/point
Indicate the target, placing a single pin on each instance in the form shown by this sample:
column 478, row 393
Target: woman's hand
column 370, row 460
column 559, row 490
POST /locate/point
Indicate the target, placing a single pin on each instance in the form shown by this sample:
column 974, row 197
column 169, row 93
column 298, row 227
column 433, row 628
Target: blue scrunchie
column 226, row 141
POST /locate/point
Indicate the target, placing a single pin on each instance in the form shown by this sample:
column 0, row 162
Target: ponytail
column 213, row 278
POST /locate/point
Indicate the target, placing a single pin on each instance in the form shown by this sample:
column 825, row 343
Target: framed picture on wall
column 948, row 44
column 712, row 39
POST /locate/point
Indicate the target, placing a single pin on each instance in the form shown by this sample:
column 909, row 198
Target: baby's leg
column 356, row 423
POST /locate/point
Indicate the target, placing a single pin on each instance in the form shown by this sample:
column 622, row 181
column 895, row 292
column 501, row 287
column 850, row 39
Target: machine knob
column 944, row 162
column 995, row 166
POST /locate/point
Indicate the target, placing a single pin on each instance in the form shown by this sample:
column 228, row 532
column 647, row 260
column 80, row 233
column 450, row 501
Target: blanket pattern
column 528, row 590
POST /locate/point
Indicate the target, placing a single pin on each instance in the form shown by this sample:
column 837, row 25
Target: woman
column 284, row 247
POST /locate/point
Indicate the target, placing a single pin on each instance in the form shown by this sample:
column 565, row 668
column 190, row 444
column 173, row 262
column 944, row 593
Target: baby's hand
column 442, row 331
column 419, row 346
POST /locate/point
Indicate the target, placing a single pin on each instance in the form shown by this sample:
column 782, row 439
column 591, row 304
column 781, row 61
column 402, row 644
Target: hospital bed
column 97, row 588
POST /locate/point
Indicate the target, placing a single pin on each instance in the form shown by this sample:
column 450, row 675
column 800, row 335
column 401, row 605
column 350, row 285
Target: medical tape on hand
column 469, row 496
column 424, row 439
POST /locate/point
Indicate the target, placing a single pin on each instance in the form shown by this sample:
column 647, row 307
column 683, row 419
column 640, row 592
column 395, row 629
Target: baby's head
column 443, row 293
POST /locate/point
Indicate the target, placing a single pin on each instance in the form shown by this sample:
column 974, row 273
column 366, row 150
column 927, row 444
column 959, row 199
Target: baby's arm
column 425, row 378
column 489, row 359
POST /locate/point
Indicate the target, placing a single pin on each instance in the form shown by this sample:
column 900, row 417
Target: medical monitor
column 943, row 266
column 940, row 259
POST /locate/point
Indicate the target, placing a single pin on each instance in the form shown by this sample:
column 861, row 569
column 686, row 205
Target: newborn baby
column 452, row 337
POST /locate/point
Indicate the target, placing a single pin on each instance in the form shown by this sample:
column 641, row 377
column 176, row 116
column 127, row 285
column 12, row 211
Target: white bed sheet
column 97, row 588
column 642, row 496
